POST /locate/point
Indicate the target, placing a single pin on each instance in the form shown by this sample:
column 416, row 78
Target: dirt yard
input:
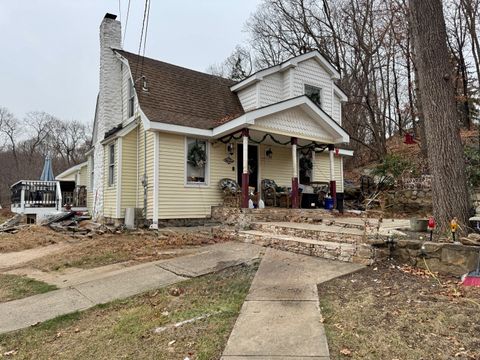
column 126, row 329
column 392, row 312
column 105, row 249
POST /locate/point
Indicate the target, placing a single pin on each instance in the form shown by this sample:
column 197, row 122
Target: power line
column 145, row 39
column 126, row 22
column 120, row 10
column 141, row 37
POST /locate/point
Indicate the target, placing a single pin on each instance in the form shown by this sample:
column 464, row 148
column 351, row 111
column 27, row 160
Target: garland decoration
column 197, row 156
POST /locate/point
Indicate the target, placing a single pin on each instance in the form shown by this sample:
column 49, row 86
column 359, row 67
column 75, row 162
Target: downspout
column 145, row 179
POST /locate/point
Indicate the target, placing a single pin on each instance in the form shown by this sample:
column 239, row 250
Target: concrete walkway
column 123, row 283
column 281, row 317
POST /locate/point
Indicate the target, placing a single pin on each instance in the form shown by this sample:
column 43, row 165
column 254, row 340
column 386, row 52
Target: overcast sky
column 49, row 50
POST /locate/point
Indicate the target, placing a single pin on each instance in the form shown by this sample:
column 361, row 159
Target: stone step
column 343, row 251
column 320, row 232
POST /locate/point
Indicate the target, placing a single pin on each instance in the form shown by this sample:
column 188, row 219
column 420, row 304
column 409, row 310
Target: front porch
column 281, row 154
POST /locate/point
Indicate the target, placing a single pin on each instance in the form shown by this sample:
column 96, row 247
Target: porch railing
column 32, row 193
column 46, row 194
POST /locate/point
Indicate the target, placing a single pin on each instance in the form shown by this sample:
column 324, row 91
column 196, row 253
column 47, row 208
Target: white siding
column 310, row 72
column 271, row 89
column 337, row 110
column 248, row 98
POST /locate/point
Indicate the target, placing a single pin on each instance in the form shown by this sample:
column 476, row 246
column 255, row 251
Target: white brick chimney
column 109, row 110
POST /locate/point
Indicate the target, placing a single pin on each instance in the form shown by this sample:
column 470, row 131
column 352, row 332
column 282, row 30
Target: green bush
column 393, row 165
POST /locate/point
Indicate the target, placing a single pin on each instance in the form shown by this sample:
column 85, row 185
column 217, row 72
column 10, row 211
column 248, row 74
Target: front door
column 252, row 165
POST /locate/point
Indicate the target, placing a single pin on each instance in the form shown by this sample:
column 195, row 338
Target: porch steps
column 320, row 240
column 324, row 249
column 322, row 232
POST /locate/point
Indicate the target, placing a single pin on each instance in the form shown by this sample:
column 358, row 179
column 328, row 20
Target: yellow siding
column 177, row 200
column 129, row 172
column 279, row 167
column 110, row 192
column 150, row 150
column 89, row 181
column 83, row 175
column 321, row 169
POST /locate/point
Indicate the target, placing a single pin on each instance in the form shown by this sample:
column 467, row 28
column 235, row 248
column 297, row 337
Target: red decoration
column 409, row 139
column 431, row 223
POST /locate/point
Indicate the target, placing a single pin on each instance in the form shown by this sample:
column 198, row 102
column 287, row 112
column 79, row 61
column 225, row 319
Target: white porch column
column 156, row 178
column 333, row 184
column 245, row 174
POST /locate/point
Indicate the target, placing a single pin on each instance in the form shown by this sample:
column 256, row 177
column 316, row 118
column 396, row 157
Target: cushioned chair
column 231, row 192
column 269, row 192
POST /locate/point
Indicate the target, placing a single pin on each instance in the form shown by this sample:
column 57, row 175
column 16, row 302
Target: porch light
column 269, row 153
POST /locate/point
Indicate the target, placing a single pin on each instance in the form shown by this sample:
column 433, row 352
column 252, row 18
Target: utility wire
column 126, row 23
column 145, row 39
column 141, row 39
column 120, row 10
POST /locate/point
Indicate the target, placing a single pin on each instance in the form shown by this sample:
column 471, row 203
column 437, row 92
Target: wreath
column 197, row 156
column 306, row 164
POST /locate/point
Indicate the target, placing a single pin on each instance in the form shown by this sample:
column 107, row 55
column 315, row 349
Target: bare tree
column 9, row 127
column 445, row 152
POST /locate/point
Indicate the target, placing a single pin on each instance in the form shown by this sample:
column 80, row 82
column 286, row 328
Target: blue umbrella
column 47, row 173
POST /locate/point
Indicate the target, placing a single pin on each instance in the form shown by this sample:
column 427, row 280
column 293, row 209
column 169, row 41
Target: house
column 164, row 135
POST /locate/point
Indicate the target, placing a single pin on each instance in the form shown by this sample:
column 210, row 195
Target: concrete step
column 334, row 250
column 320, row 232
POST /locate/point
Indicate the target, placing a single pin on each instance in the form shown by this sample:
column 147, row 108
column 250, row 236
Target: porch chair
column 269, row 192
column 232, row 193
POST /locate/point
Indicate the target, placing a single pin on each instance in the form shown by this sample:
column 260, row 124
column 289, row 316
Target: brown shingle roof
column 182, row 96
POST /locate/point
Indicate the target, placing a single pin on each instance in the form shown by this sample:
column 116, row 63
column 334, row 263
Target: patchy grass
column 106, row 249
column 125, row 329
column 392, row 312
column 14, row 287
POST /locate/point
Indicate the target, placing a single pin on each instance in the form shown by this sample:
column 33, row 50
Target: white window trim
column 110, row 165
column 130, row 97
column 207, row 168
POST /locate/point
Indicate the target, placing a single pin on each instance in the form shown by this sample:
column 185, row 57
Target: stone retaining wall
column 242, row 218
column 456, row 259
column 409, row 200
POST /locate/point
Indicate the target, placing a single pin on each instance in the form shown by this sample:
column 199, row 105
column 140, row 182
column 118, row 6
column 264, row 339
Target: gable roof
column 287, row 64
column 181, row 96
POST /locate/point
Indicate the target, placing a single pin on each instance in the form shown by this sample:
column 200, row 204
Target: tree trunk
column 445, row 150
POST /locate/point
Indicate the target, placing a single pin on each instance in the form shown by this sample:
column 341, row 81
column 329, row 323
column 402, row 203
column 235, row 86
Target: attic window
column 131, row 99
column 313, row 93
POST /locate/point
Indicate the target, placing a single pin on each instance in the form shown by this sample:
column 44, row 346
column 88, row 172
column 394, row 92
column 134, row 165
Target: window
column 111, row 165
column 131, row 99
column 196, row 159
column 314, row 94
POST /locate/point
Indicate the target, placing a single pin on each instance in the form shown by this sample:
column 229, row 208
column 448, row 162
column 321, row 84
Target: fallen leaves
column 346, row 352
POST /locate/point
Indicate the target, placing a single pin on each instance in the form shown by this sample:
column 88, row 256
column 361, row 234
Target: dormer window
column 131, row 99
column 313, row 94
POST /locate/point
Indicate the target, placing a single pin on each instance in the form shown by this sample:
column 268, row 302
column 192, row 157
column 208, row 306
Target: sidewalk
column 123, row 283
column 281, row 318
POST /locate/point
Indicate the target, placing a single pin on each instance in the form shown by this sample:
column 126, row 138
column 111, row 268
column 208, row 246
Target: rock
column 421, row 195
column 471, row 240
